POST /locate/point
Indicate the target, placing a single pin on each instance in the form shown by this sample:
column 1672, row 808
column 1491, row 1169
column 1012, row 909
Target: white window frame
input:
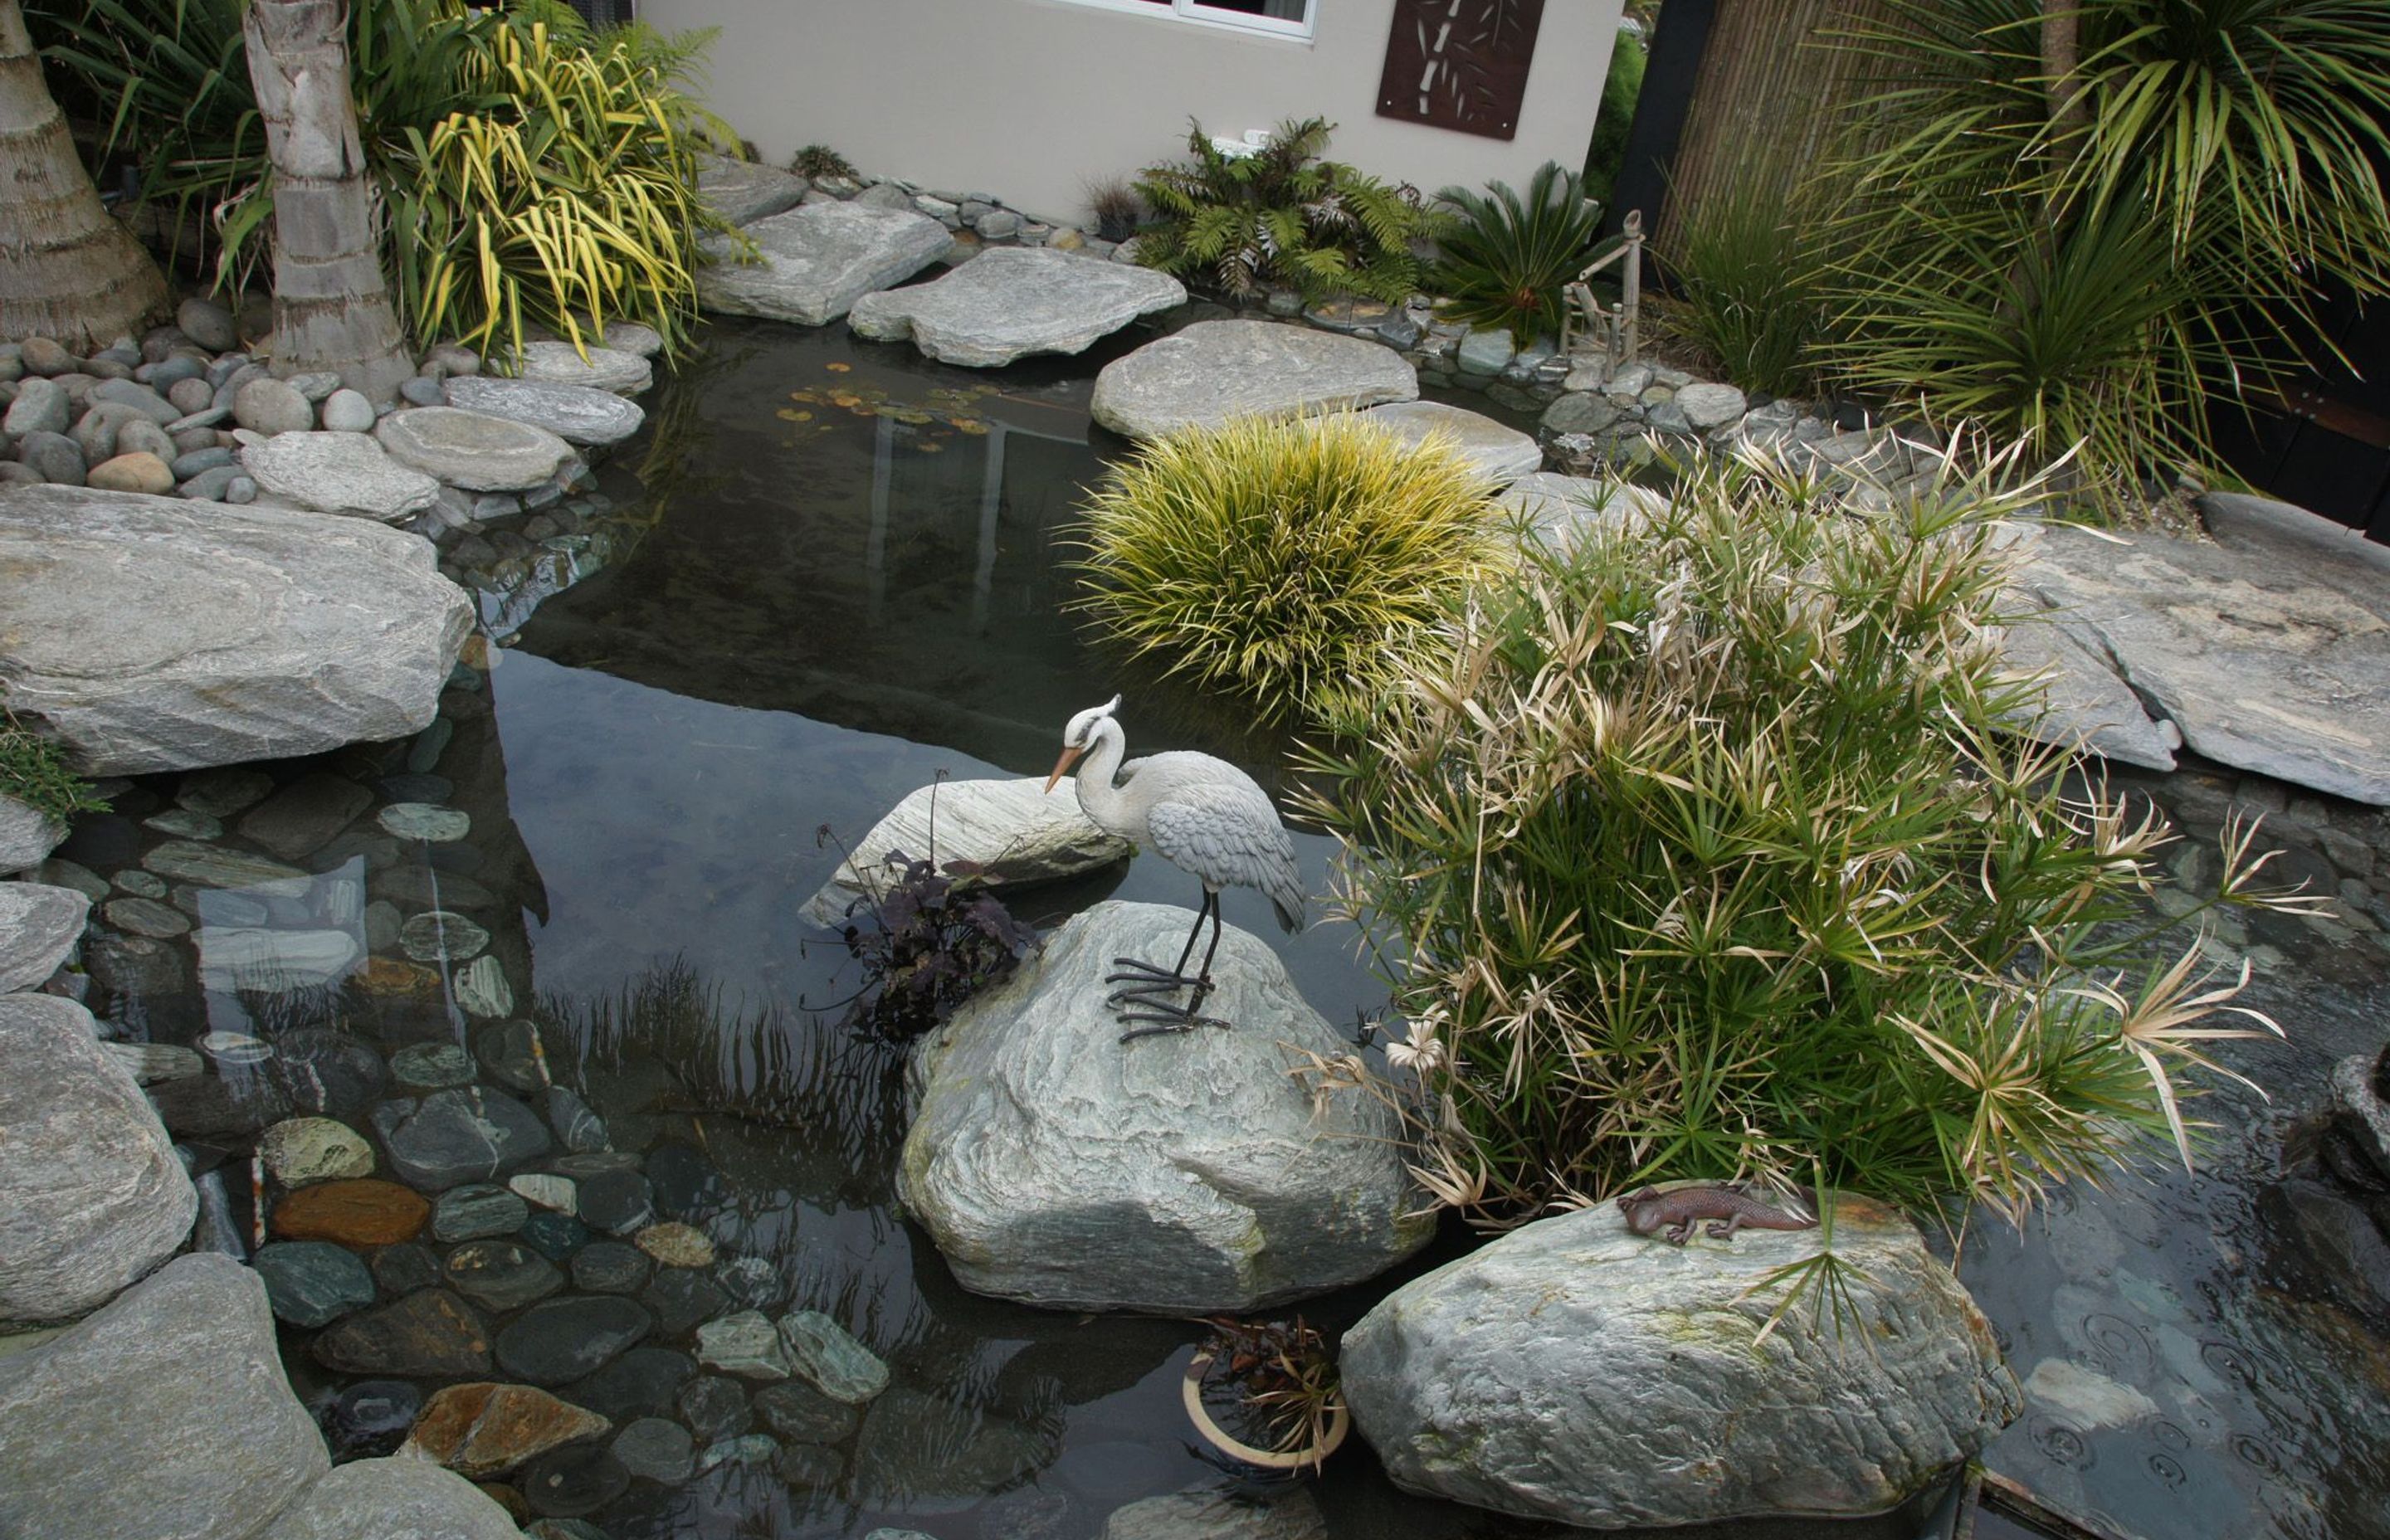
column 1196, row 13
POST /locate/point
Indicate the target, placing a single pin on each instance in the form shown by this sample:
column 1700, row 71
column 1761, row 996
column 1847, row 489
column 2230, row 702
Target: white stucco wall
column 1033, row 99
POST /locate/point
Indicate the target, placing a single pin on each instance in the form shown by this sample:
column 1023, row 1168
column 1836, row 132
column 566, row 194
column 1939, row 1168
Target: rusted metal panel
column 1461, row 64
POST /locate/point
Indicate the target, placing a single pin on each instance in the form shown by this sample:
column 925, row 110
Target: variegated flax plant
column 1709, row 849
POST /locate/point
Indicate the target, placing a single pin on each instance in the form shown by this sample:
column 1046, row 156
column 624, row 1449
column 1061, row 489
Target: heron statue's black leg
column 1151, row 1013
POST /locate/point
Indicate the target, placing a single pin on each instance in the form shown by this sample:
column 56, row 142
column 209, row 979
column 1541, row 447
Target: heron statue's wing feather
column 1230, row 837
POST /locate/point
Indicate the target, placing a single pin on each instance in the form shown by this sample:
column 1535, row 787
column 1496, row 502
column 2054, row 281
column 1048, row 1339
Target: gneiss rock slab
column 39, row 927
column 392, row 1499
column 95, row 1195
column 744, row 191
column 164, row 1414
column 343, row 473
column 1187, row 1173
column 1575, row 1371
column 1215, row 370
column 156, row 634
column 2084, row 704
column 573, row 413
column 1014, row 830
column 2268, row 647
column 1499, row 454
column 817, row 261
column 27, row 835
column 471, row 449
column 604, row 368
column 486, row 1430
column 1009, row 302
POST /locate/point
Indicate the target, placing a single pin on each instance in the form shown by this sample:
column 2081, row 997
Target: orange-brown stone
column 388, row 976
column 361, row 1211
column 486, row 1429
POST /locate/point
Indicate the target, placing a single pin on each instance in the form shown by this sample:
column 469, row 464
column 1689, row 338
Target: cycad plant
column 1503, row 259
column 1282, row 563
column 1709, row 849
column 1281, row 215
column 2207, row 167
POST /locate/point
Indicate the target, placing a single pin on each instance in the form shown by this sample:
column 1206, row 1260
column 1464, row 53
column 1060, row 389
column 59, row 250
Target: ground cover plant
column 532, row 171
column 1748, row 275
column 1282, row 563
column 34, row 771
column 1503, row 258
column 1706, row 851
column 2089, row 231
column 1281, row 215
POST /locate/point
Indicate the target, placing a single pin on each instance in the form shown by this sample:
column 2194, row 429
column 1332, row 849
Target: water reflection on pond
column 841, row 576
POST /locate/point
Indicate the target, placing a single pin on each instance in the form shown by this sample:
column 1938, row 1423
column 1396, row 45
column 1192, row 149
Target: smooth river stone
column 430, row 1334
column 302, row 817
column 676, row 1245
column 1010, row 301
column 477, row 1212
column 483, row 990
column 472, row 450
column 437, row 935
column 357, row 1212
column 610, row 1268
column 433, row 825
column 826, row 1356
column 746, row 1344
column 421, row 1068
column 156, row 634
column 312, row 1283
column 817, row 260
column 563, row 1340
column 463, row 1135
column 802, row 1414
column 574, row 413
column 349, row 474
column 210, row 866
column 501, row 1275
column 655, row 1450
column 1213, row 371
column 300, row 1151
column 486, row 1430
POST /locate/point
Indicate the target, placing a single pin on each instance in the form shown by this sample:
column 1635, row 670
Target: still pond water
column 827, row 573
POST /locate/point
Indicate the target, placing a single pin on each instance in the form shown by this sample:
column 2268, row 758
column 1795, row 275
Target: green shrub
column 2204, row 171
column 1749, row 281
column 34, row 771
column 1503, row 260
column 1282, row 562
column 1281, row 215
column 571, row 149
column 820, row 162
column 1704, row 853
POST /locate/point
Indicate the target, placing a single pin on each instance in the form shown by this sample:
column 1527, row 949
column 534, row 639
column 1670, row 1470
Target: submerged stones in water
column 430, row 1335
column 559, row 1341
column 312, row 1283
column 299, row 1151
column 462, row 1134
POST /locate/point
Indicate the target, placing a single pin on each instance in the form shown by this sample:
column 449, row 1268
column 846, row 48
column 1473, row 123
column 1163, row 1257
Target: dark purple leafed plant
column 936, row 936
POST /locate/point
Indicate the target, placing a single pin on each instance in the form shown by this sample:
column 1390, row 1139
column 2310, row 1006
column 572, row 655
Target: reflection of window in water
column 1001, row 504
column 277, row 937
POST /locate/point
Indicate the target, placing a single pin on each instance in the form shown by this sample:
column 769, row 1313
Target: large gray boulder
column 164, row 1416
column 2268, row 647
column 743, row 191
column 1572, row 1371
column 593, row 368
column 1187, row 1173
column 343, row 473
column 1016, row 830
column 1012, row 300
column 818, row 260
column 573, row 413
column 156, row 634
column 472, row 450
column 1215, row 370
column 27, row 836
column 1556, row 510
column 39, row 928
column 2085, row 705
column 95, row 1195
column 394, row 1499
column 1499, row 454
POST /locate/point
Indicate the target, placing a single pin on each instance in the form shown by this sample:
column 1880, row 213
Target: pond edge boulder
column 1574, row 1371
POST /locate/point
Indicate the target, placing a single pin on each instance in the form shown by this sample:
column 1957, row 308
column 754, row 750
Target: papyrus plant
column 1708, row 850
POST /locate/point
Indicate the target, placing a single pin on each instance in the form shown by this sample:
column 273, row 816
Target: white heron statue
column 1204, row 816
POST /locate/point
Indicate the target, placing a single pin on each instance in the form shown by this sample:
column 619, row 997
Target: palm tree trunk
column 68, row 272
column 330, row 309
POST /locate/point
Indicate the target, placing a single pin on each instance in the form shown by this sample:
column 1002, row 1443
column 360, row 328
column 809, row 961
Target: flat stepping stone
column 574, row 413
column 343, row 473
column 1215, row 370
column 1499, row 454
column 818, row 260
column 156, row 634
column 744, row 191
column 2268, row 647
column 604, row 369
column 1014, row 830
column 1559, row 509
column 1014, row 301
column 473, row 450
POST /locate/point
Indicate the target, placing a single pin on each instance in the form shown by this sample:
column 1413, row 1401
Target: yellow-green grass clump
column 1285, row 563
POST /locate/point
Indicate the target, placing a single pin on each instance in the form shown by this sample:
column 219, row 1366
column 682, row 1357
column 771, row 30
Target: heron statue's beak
column 1062, row 766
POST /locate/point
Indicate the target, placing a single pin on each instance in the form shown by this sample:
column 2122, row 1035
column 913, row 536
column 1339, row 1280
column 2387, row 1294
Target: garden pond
column 829, row 573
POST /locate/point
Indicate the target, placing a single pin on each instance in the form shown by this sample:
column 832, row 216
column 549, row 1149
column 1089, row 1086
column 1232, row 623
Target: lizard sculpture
column 1673, row 1214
